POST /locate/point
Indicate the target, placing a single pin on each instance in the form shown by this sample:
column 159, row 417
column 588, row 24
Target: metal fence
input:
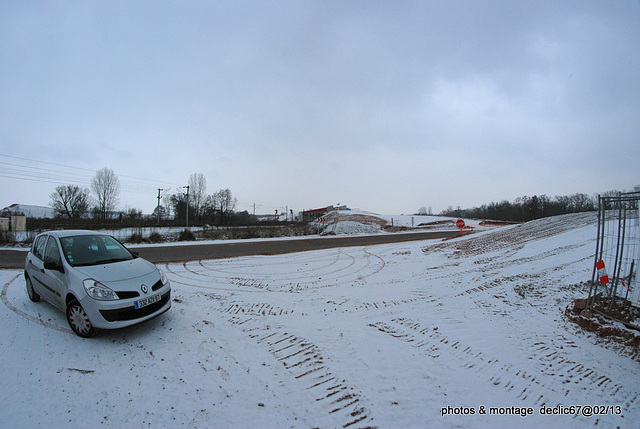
column 617, row 255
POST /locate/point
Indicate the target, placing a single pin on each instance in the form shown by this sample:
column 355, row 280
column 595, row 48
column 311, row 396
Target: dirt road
column 192, row 252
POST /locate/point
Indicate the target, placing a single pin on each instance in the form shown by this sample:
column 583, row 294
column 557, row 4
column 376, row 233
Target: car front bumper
column 122, row 313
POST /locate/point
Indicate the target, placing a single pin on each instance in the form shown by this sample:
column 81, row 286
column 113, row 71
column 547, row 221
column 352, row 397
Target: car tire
column 31, row 293
column 79, row 321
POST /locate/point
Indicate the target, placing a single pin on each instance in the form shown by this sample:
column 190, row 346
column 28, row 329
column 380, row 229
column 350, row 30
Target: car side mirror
column 53, row 265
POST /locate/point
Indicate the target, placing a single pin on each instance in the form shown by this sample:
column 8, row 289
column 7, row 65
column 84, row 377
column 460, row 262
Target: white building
column 38, row 212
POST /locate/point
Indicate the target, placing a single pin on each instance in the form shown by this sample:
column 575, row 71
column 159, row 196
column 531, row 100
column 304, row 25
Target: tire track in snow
column 519, row 383
column 342, row 404
column 592, row 383
column 534, row 386
column 256, row 309
column 346, row 266
column 27, row 316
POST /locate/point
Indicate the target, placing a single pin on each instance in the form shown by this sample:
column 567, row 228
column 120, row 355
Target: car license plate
column 146, row 301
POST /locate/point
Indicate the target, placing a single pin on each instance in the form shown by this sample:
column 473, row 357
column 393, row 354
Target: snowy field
column 411, row 335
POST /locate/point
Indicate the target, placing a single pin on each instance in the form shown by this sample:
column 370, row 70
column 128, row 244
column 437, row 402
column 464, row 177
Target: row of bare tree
column 529, row 208
column 74, row 202
column 216, row 208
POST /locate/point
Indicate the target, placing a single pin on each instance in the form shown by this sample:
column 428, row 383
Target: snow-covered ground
column 383, row 336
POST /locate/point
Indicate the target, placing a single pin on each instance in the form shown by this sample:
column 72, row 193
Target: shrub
column 135, row 238
column 6, row 237
column 186, row 235
column 213, row 234
column 155, row 237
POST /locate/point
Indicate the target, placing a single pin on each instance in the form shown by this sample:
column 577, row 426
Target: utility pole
column 187, row 204
column 158, row 208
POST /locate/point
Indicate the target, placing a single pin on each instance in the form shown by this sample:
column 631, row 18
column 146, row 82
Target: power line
column 45, row 162
column 61, row 174
column 54, row 177
column 72, row 174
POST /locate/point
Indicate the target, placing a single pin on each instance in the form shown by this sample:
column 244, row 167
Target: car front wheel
column 78, row 320
column 33, row 295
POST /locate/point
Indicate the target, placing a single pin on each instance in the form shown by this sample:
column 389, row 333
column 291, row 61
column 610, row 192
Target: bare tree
column 197, row 193
column 70, row 201
column 177, row 203
column 224, row 203
column 106, row 186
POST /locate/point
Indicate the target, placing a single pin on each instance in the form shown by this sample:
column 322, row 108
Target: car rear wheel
column 78, row 320
column 33, row 295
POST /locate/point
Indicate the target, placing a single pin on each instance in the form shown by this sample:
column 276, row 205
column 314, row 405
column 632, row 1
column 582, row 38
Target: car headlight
column 163, row 277
column 97, row 290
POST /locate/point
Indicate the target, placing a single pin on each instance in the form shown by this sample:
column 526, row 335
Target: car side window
column 38, row 246
column 51, row 252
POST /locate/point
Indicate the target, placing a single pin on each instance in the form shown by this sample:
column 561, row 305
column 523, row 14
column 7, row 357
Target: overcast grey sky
column 386, row 106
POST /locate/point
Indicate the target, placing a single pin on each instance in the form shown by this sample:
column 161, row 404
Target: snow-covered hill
column 412, row 335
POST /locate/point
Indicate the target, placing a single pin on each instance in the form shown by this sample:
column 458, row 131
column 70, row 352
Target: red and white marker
column 602, row 272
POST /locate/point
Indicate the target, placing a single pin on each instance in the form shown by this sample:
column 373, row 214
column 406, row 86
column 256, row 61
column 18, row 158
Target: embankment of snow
column 362, row 222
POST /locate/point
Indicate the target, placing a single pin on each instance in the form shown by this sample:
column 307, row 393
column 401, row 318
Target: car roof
column 73, row 232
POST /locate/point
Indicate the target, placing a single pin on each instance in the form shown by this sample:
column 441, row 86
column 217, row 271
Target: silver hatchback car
column 95, row 280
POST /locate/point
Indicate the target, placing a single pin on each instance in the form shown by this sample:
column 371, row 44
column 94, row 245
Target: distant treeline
column 526, row 208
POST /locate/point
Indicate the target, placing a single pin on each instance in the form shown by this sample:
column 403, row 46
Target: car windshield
column 83, row 250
